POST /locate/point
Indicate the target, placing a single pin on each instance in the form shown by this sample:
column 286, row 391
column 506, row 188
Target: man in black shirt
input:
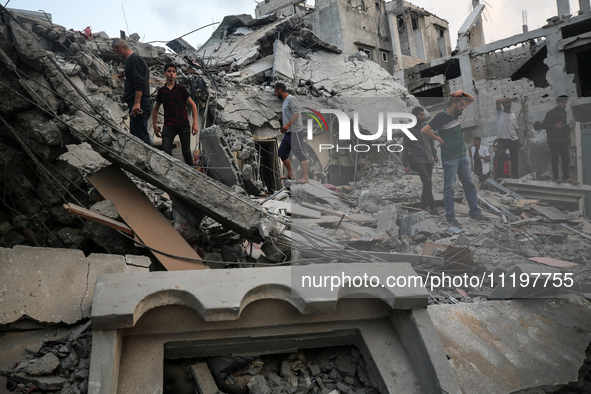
column 174, row 98
column 558, row 137
column 137, row 89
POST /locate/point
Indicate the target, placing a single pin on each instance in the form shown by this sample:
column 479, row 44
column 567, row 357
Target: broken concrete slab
column 282, row 66
column 531, row 281
column 255, row 70
column 62, row 275
column 38, row 274
column 546, row 346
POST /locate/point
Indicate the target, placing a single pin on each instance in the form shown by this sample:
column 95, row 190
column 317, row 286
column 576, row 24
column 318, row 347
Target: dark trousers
column 138, row 125
column 559, row 151
column 184, row 133
column 502, row 145
column 425, row 171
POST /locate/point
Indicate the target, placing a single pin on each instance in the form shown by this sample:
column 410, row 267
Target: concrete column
column 558, row 79
column 477, row 31
column 563, row 7
column 395, row 40
column 584, row 6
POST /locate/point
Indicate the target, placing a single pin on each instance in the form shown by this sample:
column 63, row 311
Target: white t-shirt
column 483, row 152
column 506, row 125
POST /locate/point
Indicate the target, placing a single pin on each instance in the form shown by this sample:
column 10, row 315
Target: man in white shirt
column 507, row 135
column 480, row 160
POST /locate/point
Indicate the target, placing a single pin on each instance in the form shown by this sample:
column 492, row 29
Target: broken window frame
column 367, row 50
column 384, row 56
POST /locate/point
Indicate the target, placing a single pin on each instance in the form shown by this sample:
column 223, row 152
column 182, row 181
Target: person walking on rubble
column 507, row 135
column 453, row 156
column 137, row 89
column 420, row 155
column 174, row 98
column 292, row 134
column 558, row 136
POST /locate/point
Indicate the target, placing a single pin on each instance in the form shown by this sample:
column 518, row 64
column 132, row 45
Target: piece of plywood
column 149, row 225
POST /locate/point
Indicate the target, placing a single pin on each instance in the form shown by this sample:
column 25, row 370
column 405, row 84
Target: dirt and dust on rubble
column 63, row 119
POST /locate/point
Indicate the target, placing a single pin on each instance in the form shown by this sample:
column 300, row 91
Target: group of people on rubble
column 174, row 98
column 419, row 155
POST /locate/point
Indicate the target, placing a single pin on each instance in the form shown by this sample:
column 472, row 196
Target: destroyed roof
column 241, row 47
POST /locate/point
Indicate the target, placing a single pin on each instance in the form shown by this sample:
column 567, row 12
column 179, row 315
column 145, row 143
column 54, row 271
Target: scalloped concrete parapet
column 140, row 319
column 218, row 295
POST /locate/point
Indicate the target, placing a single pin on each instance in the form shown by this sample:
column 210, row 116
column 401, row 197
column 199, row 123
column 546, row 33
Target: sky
column 164, row 21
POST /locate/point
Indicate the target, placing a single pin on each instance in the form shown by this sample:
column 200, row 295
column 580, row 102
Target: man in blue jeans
column 453, row 156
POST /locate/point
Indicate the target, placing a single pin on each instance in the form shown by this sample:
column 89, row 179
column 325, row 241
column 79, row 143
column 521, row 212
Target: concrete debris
column 334, row 368
column 60, row 364
column 65, row 276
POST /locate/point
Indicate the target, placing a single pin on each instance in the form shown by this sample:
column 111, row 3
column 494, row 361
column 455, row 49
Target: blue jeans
column 460, row 167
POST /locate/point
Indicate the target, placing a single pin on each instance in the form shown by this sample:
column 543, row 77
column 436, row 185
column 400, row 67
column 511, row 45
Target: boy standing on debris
column 558, row 136
column 480, row 160
column 174, row 98
column 507, row 135
column 453, row 156
column 292, row 134
column 420, row 155
column 137, row 89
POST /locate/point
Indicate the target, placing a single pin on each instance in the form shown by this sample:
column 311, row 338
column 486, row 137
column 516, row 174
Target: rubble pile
column 59, row 366
column 330, row 370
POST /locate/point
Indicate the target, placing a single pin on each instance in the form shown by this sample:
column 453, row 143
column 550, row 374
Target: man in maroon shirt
column 174, row 98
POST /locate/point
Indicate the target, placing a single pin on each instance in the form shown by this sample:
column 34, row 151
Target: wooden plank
column 145, row 220
column 553, row 262
column 97, row 218
column 203, row 379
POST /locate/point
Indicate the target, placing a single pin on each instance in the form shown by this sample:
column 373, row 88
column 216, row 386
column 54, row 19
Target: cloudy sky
column 159, row 20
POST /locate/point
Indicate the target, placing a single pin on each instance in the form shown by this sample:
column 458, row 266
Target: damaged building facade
column 92, row 218
column 394, row 34
column 535, row 67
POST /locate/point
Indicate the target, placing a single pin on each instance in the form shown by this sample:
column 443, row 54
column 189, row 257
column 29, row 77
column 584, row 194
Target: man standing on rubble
column 420, row 155
column 453, row 156
column 292, row 130
column 507, row 136
column 558, row 136
column 137, row 89
column 174, row 98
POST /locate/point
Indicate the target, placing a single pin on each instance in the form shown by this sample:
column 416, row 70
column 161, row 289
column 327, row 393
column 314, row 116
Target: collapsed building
column 216, row 329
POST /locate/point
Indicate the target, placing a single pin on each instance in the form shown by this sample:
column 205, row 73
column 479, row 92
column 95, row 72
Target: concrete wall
column 421, row 44
column 328, row 26
column 501, row 63
column 348, row 28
